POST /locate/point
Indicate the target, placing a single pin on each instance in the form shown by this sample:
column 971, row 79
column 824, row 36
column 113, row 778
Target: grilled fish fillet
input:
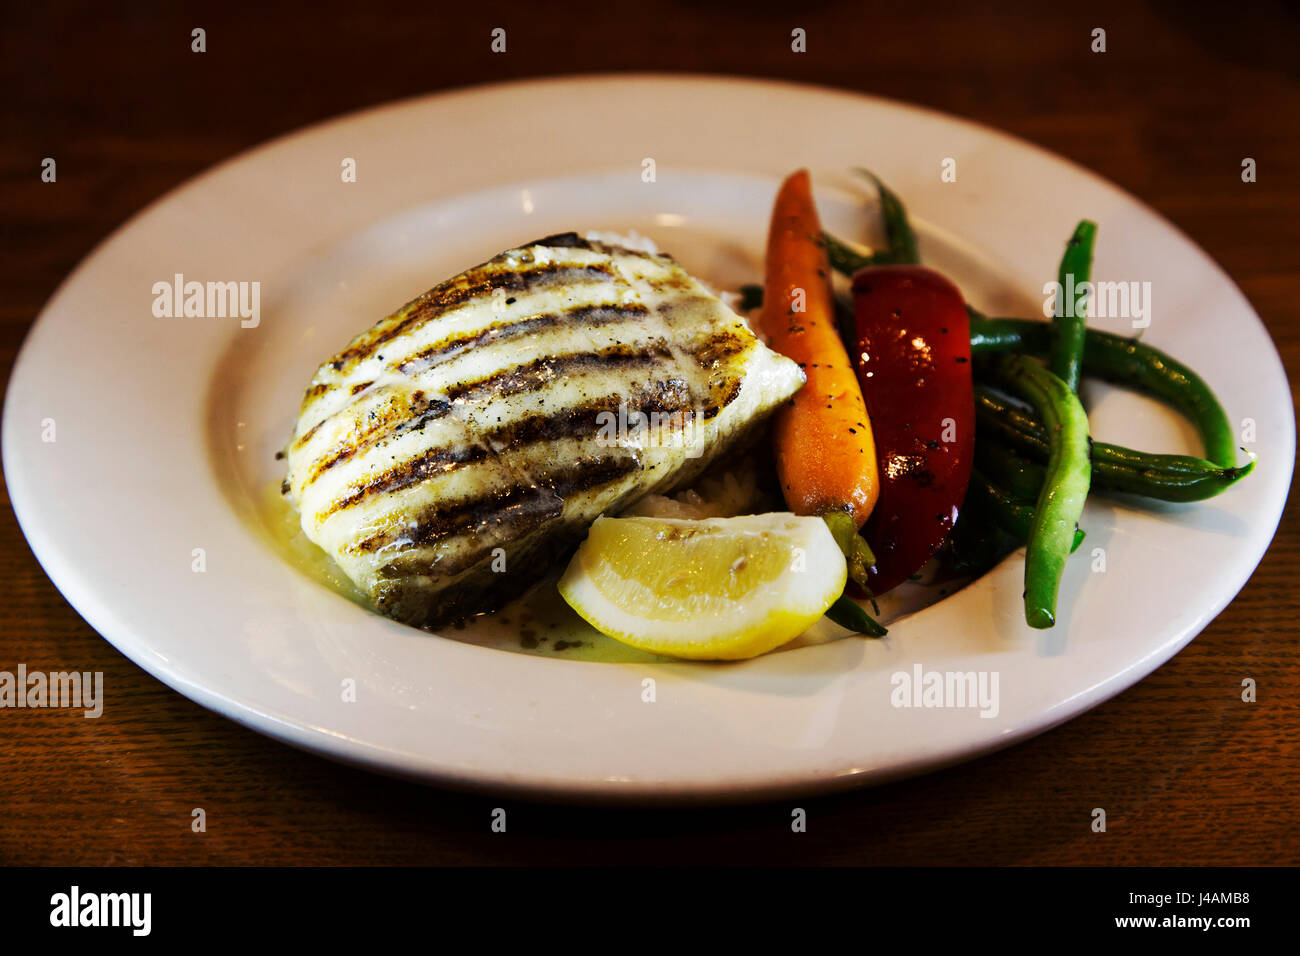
column 451, row 451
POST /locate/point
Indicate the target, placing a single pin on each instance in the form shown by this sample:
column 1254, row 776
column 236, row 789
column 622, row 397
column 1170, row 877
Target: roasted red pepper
column 912, row 354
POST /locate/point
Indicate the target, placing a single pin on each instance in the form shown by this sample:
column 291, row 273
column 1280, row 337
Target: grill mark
column 665, row 398
column 491, row 275
column 517, row 380
column 360, row 387
column 530, row 504
column 719, row 347
column 541, row 371
column 308, row 434
column 424, row 410
column 470, row 285
column 443, row 565
column 313, row 394
column 670, row 398
column 520, row 380
column 724, row 394
column 412, row 565
column 316, row 391
column 676, row 281
column 534, row 375
column 415, row 312
column 593, row 315
column 412, row 472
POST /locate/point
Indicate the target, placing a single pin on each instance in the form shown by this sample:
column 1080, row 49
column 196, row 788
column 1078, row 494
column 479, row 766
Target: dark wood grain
column 1186, row 771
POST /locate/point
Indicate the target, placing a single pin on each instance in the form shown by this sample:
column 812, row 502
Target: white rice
column 718, row 493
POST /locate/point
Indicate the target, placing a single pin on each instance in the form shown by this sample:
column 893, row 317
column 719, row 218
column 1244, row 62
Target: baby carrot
column 825, row 454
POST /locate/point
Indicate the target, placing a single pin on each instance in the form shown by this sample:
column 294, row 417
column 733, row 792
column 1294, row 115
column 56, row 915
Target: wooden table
column 1186, row 771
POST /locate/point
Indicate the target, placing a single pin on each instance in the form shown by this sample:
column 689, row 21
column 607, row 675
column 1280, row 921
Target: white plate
column 165, row 431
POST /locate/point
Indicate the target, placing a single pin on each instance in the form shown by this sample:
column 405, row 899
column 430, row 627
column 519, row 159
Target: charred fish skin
column 451, row 451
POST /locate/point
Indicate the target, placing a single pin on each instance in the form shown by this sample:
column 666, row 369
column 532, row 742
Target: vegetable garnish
column 898, row 229
column 1065, row 487
column 1071, row 307
column 848, row 613
column 1127, row 362
column 825, row 454
column 912, row 353
column 1031, row 470
column 1013, row 516
column 846, row 260
column 999, row 424
column 900, row 239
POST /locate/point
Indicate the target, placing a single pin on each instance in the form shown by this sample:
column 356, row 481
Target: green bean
column 848, row 613
column 1065, row 489
column 898, row 230
column 1012, row 515
column 1114, row 467
column 844, row 259
column 992, row 336
column 1022, row 479
column 1127, row 362
column 901, row 240
column 1066, row 356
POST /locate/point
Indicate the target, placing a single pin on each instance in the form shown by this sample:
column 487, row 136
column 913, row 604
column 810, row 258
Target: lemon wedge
column 711, row 589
